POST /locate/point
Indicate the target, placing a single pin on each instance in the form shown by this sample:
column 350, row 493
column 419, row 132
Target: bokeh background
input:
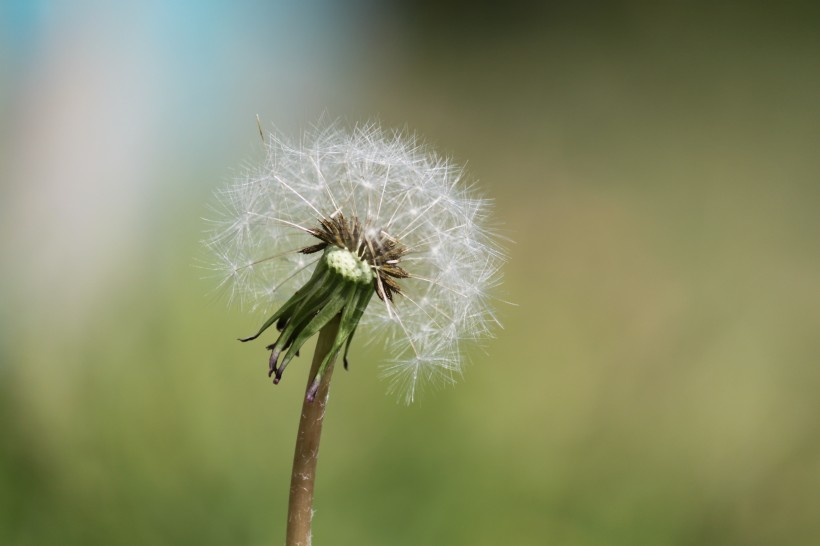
column 656, row 165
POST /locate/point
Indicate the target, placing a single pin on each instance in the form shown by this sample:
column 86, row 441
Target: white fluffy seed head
column 392, row 184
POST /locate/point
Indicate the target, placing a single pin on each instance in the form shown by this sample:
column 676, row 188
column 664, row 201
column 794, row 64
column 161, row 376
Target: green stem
column 303, row 477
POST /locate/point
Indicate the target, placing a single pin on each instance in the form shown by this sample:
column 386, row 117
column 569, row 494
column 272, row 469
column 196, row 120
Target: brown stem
column 303, row 478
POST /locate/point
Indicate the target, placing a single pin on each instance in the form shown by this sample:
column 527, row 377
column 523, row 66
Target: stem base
column 306, row 454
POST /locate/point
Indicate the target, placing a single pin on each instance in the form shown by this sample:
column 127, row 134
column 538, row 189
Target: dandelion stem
column 303, row 478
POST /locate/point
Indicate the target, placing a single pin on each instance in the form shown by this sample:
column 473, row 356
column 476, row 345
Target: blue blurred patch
column 22, row 23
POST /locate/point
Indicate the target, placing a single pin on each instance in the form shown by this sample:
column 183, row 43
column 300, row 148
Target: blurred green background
column 656, row 165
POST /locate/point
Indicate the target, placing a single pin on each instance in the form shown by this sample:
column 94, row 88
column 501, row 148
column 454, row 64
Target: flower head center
column 374, row 248
column 348, row 265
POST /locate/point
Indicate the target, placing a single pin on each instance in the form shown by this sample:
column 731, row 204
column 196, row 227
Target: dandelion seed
column 378, row 214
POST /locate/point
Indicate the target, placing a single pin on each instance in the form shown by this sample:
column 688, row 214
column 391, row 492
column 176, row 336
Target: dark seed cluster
column 381, row 251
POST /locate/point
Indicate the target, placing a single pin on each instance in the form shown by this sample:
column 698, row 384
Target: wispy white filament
column 393, row 183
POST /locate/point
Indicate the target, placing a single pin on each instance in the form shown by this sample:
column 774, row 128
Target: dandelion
column 327, row 223
column 342, row 216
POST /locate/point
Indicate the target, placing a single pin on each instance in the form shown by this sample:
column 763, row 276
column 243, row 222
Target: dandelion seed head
column 404, row 197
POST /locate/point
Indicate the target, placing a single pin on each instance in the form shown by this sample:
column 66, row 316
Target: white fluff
column 391, row 182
